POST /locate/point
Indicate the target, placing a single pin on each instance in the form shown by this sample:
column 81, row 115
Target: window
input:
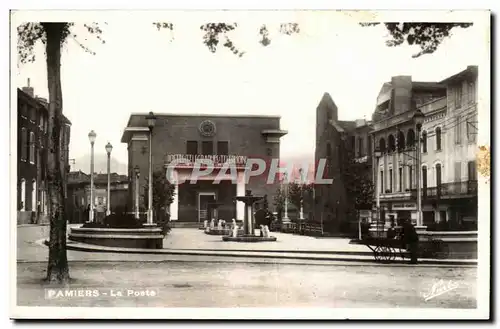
column 382, row 181
column 410, row 177
column 458, row 130
column 32, row 144
column 424, row 142
column 328, row 150
column 410, row 138
column 472, row 173
column 353, row 140
column 401, row 141
column 424, row 177
column 390, row 180
column 192, row 147
column 223, row 148
column 40, row 124
column 438, row 175
column 400, row 179
column 458, row 97
column 392, row 144
column 24, row 144
column 22, row 205
column 328, row 116
column 438, row 139
column 382, row 145
column 369, row 145
column 33, row 195
column 458, row 172
column 360, row 146
column 472, row 92
column 32, row 114
column 472, row 128
column 24, row 111
column 207, row 148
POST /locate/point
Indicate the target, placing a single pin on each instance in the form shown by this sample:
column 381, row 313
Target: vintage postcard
column 300, row 164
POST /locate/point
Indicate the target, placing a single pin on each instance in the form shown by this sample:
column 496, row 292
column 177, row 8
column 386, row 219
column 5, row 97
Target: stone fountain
column 248, row 222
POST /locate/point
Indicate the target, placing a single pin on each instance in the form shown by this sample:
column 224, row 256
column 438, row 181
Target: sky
column 141, row 69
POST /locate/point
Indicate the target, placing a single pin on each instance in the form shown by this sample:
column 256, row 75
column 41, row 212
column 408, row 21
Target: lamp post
column 92, row 137
column 109, row 148
column 377, row 154
column 301, row 194
column 137, row 174
column 418, row 119
column 151, row 118
column 285, row 178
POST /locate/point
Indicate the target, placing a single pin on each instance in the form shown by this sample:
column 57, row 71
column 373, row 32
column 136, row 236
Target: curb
column 253, row 254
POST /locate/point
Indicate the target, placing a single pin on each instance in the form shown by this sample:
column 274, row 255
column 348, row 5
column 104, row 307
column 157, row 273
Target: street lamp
column 151, row 118
column 378, row 155
column 301, row 194
column 137, row 174
column 109, row 148
column 92, row 137
column 285, row 178
column 418, row 119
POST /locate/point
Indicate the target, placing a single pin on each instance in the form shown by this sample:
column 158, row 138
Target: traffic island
column 145, row 238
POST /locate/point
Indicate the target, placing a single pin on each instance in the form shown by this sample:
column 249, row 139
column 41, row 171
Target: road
column 205, row 281
column 210, row 284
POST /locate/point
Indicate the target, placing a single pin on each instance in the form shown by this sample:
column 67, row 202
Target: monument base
column 249, row 238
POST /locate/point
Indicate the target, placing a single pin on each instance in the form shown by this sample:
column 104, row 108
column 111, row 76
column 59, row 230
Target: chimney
column 29, row 90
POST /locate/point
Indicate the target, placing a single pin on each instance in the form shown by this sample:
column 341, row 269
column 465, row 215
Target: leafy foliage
column 32, row 32
column 279, row 201
column 428, row 36
column 357, row 180
column 297, row 193
column 163, row 191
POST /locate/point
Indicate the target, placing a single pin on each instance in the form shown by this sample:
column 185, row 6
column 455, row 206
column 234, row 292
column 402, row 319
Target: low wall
column 148, row 238
column 454, row 245
column 223, row 232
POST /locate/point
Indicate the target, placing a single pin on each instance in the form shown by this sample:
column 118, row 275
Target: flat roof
column 209, row 115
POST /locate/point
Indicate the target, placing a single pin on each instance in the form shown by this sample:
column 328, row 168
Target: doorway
column 204, row 198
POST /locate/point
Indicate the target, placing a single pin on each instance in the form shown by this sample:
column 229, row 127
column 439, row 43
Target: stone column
column 240, row 191
column 174, row 206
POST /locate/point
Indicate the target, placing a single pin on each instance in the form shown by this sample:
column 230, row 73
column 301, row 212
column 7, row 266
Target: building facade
column 32, row 127
column 347, row 148
column 78, row 198
column 218, row 138
column 447, row 144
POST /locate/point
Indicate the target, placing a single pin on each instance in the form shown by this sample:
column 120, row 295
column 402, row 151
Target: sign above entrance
column 189, row 160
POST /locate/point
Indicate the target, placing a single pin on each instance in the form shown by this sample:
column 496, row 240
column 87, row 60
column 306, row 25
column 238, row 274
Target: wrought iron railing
column 448, row 190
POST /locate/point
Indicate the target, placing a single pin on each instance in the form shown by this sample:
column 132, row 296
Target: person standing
column 410, row 238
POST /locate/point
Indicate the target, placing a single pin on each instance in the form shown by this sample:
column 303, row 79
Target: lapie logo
column 439, row 288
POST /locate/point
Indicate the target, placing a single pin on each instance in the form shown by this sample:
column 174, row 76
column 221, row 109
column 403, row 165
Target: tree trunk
column 57, row 270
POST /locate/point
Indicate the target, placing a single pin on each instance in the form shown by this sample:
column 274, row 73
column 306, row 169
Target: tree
column 357, row 181
column 279, row 202
column 163, row 193
column 428, row 36
column 53, row 35
column 298, row 194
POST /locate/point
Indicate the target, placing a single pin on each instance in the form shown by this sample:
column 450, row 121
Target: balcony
column 216, row 161
column 400, row 196
column 449, row 190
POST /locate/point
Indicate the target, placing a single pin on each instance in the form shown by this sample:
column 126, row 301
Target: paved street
column 204, row 281
column 207, row 284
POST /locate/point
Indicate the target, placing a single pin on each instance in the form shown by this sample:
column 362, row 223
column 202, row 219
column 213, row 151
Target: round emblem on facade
column 207, row 128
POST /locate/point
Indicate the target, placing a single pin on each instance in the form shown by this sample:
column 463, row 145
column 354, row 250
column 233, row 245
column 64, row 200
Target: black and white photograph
column 250, row 164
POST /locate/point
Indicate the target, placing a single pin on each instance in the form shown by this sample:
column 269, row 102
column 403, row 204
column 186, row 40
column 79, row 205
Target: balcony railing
column 189, row 160
column 455, row 189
